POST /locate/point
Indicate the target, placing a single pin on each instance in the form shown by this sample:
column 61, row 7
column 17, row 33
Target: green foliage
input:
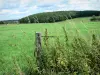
column 94, row 18
column 67, row 55
column 50, row 17
column 9, row 22
column 77, row 59
column 1, row 22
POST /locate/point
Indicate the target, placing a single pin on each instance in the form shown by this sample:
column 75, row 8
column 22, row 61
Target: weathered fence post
column 38, row 48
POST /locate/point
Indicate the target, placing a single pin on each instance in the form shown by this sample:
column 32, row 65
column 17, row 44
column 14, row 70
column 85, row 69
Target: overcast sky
column 15, row 9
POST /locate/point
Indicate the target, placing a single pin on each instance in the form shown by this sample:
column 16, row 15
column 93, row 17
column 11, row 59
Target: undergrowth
column 75, row 57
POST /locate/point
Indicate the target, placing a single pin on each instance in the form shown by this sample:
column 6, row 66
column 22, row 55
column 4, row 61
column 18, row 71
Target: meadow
column 17, row 40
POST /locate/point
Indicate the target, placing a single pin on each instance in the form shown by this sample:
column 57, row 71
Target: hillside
column 50, row 17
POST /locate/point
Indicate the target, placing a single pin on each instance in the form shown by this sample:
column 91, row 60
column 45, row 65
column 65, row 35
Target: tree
column 93, row 18
column 1, row 22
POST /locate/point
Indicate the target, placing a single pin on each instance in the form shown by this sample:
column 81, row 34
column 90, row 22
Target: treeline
column 9, row 22
column 50, row 17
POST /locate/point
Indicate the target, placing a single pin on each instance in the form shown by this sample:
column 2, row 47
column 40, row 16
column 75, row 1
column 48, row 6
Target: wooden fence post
column 38, row 48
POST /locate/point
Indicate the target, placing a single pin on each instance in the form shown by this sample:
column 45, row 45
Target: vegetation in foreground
column 76, row 57
column 17, row 42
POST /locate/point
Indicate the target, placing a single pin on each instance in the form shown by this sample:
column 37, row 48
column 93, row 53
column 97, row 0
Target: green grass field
column 17, row 40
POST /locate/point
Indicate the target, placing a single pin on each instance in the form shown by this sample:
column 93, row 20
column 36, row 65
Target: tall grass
column 76, row 57
column 63, row 57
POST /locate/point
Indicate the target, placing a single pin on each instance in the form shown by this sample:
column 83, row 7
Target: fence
column 38, row 43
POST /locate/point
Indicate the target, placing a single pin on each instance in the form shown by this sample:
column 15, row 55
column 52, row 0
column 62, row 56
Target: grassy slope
column 16, row 40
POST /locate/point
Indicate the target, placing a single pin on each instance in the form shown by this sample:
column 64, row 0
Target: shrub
column 94, row 18
column 76, row 57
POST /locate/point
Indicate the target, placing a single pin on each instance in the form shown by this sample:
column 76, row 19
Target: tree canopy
column 50, row 17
